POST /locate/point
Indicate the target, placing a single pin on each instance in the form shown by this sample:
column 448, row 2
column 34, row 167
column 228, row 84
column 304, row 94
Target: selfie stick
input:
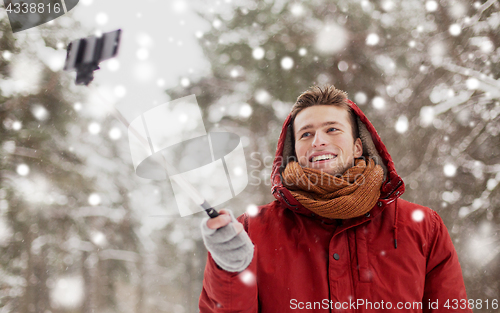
column 195, row 195
column 84, row 56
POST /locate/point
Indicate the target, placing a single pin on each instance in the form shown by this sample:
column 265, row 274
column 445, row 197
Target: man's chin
column 334, row 171
column 332, row 168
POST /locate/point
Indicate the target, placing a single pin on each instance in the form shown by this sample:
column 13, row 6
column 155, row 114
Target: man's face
column 323, row 139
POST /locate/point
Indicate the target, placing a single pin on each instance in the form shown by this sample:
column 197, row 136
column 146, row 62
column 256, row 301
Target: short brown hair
column 325, row 95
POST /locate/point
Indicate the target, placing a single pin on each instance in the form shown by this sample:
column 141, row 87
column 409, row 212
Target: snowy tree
column 70, row 237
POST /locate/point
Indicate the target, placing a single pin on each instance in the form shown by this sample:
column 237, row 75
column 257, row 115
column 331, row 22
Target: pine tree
column 70, row 237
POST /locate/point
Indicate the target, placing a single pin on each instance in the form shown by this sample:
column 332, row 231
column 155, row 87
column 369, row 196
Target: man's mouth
column 322, row 157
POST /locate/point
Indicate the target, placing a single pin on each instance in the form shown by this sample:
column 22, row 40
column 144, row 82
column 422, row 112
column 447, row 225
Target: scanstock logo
column 170, row 139
column 24, row 14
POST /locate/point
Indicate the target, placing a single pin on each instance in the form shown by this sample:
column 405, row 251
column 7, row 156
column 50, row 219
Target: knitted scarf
column 337, row 197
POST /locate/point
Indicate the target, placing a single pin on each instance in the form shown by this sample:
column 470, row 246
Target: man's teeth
column 323, row 157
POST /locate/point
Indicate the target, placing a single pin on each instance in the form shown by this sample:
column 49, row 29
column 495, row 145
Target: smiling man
column 326, row 137
column 338, row 238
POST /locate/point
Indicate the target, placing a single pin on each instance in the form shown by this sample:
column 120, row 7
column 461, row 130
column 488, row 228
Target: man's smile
column 322, row 157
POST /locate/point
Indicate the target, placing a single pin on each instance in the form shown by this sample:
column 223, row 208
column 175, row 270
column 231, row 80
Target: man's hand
column 222, row 220
column 229, row 244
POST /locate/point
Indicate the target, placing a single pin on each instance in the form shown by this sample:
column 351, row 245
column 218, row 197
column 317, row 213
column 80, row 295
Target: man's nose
column 319, row 139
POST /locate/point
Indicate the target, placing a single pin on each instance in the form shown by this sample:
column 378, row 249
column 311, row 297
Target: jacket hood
column 373, row 147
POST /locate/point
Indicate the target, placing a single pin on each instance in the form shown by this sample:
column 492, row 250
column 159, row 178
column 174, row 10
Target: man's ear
column 358, row 148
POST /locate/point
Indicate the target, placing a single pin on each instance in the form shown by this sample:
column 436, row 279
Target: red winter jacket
column 398, row 257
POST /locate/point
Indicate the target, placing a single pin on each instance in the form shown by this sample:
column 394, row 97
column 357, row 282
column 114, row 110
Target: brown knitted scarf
column 338, row 197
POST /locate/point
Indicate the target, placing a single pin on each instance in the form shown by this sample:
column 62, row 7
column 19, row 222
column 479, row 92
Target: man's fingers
column 238, row 227
column 220, row 221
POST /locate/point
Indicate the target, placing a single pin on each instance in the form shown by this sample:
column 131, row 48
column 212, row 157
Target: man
column 337, row 238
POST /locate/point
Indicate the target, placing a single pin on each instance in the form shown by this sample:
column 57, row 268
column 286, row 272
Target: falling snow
column 431, row 6
column 402, row 124
column 252, row 210
column 378, row 103
column 23, row 169
column 360, row 98
column 101, row 18
column 247, row 277
column 287, row 63
column 426, row 116
column 325, row 44
column 455, row 29
column 113, row 65
column 68, row 292
column 417, row 215
column 120, row 91
column 258, row 53
column 343, row 66
column 372, row 39
column 185, row 82
column 262, row 96
column 115, row 133
column 94, row 199
column 245, row 110
column 94, row 128
column 6, row 55
column 449, row 169
column 297, row 9
column 17, row 125
column 472, row 83
column 40, row 112
column 142, row 54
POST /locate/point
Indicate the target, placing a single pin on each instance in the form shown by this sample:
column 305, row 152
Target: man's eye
column 332, row 129
column 306, row 134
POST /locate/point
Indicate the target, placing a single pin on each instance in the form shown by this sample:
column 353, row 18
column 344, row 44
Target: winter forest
column 81, row 232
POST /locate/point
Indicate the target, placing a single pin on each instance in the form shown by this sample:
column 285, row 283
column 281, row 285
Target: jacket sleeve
column 229, row 292
column 444, row 285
